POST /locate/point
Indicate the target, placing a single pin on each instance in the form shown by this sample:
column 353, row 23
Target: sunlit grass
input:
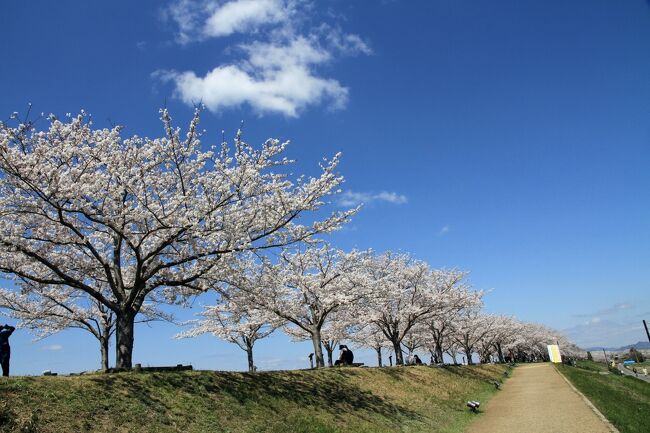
column 624, row 400
column 410, row 399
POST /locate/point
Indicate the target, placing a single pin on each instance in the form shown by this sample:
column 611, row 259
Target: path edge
column 609, row 425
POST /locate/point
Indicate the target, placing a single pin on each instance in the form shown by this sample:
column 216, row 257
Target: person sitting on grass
column 346, row 357
column 5, row 349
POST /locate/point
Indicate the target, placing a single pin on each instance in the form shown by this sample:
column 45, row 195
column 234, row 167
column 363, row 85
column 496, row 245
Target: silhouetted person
column 417, row 360
column 346, row 357
column 5, row 349
column 390, row 360
column 311, row 360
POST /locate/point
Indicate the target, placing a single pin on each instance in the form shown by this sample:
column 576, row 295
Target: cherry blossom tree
column 236, row 321
column 438, row 329
column 338, row 328
column 486, row 346
column 452, row 349
column 47, row 310
column 469, row 329
column 530, row 340
column 504, row 331
column 415, row 339
column 372, row 337
column 304, row 287
column 127, row 220
column 404, row 292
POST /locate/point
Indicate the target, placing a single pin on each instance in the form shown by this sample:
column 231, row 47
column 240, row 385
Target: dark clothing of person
column 417, row 360
column 5, row 349
column 346, row 357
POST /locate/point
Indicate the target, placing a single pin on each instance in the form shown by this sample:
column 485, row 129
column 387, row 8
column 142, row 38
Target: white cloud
column 352, row 198
column 444, row 230
column 197, row 20
column 609, row 311
column 277, row 72
column 244, row 15
column 346, row 43
column 53, row 347
column 605, row 333
column 615, row 325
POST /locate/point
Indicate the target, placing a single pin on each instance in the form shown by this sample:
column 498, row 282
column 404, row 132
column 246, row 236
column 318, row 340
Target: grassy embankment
column 411, row 399
column 625, row 401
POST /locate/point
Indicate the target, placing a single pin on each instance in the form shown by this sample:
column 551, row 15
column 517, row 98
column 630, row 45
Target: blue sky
column 510, row 139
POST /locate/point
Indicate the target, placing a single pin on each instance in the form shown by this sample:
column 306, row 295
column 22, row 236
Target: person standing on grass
column 5, row 349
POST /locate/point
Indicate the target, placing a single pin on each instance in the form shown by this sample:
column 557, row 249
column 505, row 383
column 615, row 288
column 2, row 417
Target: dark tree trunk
column 399, row 358
column 439, row 352
column 329, row 349
column 318, row 350
column 103, row 347
column 124, row 339
column 468, row 355
column 249, row 353
column 104, row 340
column 500, row 353
column 379, row 363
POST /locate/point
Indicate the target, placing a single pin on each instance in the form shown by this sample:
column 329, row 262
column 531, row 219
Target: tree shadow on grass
column 469, row 372
column 329, row 391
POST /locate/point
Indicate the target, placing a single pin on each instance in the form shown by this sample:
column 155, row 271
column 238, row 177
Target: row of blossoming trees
column 97, row 232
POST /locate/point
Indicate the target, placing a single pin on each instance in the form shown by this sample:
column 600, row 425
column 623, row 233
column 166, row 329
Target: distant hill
column 641, row 345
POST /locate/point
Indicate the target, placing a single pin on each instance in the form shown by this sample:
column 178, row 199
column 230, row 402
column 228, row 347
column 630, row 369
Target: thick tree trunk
column 103, row 347
column 124, row 340
column 500, row 353
column 249, row 353
column 438, row 357
column 399, row 358
column 468, row 355
column 378, row 350
column 318, row 349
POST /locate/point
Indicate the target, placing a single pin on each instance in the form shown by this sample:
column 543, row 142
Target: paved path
column 628, row 372
column 537, row 399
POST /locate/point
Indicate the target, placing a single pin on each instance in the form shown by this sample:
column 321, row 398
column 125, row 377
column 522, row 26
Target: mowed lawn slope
column 408, row 399
column 624, row 400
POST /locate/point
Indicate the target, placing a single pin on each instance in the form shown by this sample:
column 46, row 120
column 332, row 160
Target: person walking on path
column 5, row 349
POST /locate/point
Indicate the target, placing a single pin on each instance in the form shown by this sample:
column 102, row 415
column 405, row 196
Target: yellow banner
column 554, row 353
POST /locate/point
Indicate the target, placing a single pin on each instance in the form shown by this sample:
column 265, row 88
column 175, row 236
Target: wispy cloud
column 605, row 333
column 354, row 198
column 53, row 347
column 609, row 311
column 613, row 326
column 277, row 71
column 444, row 230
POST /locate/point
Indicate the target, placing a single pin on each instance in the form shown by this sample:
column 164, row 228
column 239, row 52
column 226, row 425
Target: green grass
column 591, row 365
column 625, row 401
column 413, row 399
